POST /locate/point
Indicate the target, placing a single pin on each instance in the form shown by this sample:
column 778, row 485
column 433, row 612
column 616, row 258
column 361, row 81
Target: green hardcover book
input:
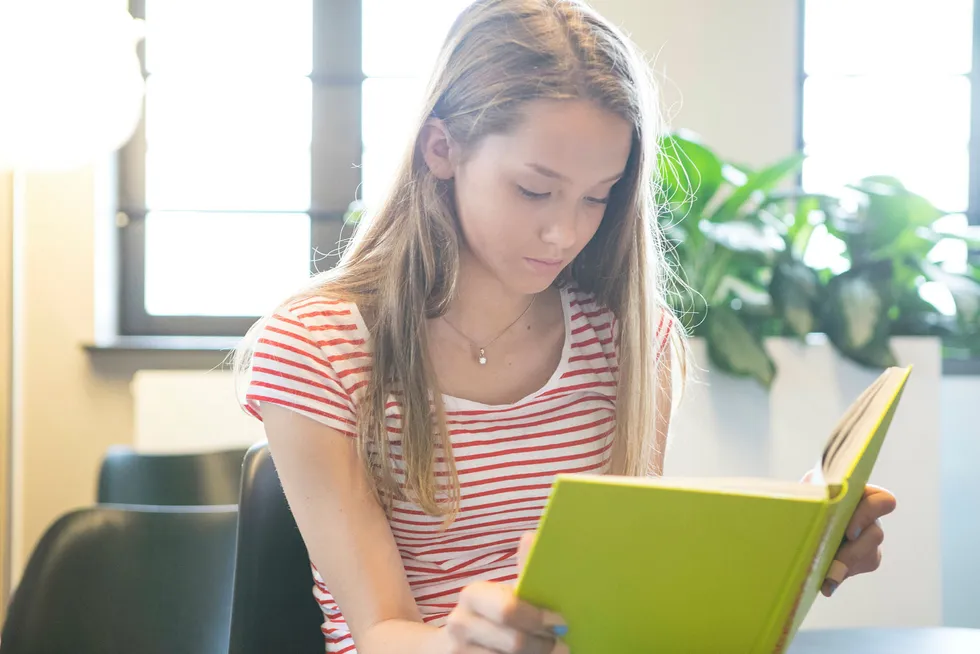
column 713, row 566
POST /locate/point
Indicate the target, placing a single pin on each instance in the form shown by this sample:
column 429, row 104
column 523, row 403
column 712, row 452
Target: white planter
column 733, row 427
column 961, row 501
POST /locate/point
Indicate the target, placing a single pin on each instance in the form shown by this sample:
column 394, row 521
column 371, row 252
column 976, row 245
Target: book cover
column 672, row 565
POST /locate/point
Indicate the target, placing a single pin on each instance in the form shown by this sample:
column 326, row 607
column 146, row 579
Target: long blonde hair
column 402, row 265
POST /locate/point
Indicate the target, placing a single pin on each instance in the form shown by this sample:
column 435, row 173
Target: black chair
column 273, row 609
column 132, row 478
column 135, row 580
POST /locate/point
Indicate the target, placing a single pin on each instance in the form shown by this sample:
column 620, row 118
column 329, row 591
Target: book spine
column 779, row 631
column 787, row 631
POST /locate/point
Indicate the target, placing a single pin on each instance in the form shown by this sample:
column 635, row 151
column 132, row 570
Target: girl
column 499, row 320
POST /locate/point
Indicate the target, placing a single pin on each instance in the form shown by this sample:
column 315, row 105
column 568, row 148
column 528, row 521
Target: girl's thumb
column 524, row 548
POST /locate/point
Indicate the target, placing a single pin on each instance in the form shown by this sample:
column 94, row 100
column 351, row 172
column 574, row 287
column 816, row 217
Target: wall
column 961, row 501
column 173, row 408
column 727, row 70
column 72, row 404
column 69, row 414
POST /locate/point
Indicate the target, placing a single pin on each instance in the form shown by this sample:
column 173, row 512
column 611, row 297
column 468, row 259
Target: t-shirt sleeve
column 665, row 323
column 293, row 367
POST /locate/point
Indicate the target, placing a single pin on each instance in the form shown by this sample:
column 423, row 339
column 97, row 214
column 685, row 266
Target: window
column 234, row 188
column 887, row 88
column 235, row 185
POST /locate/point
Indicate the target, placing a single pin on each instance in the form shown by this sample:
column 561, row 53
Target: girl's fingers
column 876, row 503
column 498, row 604
column 470, row 629
column 855, row 557
column 862, row 555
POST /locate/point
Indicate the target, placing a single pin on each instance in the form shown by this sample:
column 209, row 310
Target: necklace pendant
column 483, row 357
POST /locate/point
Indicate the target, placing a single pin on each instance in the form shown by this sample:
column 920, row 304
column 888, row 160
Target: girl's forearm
column 403, row 637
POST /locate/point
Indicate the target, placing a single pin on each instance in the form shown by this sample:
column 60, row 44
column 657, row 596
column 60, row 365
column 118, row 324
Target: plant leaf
column 912, row 244
column 888, row 195
column 965, row 292
column 744, row 237
column 736, row 350
column 749, row 294
column 919, row 317
column 795, row 291
column 856, row 314
column 707, row 276
column 970, row 236
column 891, row 211
column 690, row 173
column 802, row 228
column 758, row 182
column 355, row 213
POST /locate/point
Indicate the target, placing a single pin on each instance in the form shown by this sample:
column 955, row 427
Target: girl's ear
column 437, row 149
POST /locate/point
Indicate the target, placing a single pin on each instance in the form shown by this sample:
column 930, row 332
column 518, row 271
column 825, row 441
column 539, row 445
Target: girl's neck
column 483, row 306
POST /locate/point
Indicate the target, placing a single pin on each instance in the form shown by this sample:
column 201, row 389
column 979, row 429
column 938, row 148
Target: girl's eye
column 531, row 194
column 598, row 200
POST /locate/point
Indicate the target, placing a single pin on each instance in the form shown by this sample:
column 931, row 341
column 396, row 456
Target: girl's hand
column 489, row 619
column 861, row 551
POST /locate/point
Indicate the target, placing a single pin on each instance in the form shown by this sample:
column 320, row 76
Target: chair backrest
column 273, row 609
column 210, row 478
column 111, row 580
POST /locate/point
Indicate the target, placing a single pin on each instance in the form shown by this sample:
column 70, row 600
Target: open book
column 714, row 566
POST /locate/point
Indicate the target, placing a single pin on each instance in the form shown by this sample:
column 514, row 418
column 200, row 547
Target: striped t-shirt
column 314, row 357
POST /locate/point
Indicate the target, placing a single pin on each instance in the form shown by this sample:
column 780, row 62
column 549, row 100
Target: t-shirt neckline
column 453, row 403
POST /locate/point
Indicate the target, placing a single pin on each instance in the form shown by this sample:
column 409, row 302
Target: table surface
column 940, row 640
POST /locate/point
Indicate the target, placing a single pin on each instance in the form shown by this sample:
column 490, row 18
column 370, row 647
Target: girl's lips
column 544, row 265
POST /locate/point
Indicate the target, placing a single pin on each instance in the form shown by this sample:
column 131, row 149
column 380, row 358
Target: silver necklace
column 482, row 357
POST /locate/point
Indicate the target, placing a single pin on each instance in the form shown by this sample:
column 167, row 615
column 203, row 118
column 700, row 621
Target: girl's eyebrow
column 548, row 172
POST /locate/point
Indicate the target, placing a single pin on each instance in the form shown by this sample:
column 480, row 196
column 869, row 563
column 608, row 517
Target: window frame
column 335, row 173
column 337, row 79
column 973, row 210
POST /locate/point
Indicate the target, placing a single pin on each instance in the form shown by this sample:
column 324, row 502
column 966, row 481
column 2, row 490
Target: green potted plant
column 739, row 240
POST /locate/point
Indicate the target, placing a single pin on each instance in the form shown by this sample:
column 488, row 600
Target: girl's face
column 529, row 200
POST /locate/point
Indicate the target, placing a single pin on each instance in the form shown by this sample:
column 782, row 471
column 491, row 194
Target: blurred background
column 145, row 225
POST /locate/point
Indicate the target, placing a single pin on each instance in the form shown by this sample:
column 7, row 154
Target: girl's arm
column 345, row 530
column 351, row 545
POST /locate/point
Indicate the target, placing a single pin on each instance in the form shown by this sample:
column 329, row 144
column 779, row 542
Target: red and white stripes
column 315, row 358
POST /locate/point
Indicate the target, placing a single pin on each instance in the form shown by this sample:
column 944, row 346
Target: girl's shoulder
column 591, row 327
column 312, row 354
column 333, row 328
column 584, row 304
column 321, row 314
column 588, row 314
